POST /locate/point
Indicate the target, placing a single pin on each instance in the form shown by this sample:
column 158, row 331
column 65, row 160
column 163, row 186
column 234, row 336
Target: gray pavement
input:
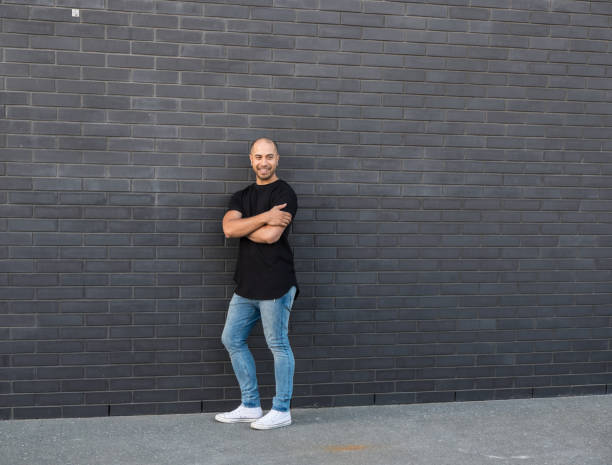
column 544, row 431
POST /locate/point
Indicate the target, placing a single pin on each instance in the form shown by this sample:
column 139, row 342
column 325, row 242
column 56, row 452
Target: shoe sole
column 279, row 425
column 236, row 420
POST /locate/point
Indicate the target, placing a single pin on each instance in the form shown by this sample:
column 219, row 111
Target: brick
column 106, row 185
column 57, row 128
column 360, row 19
column 25, row 113
column 55, row 43
column 78, row 58
column 29, row 56
column 178, row 36
column 106, row 74
column 36, row 198
column 105, row 46
column 13, row 40
column 105, row 130
column 157, row 48
column 83, row 225
column 131, row 61
column 171, row 7
column 28, row 27
column 106, row 102
column 76, row 114
column 57, row 184
column 32, row 141
column 271, row 41
column 82, row 143
column 227, row 11
column 131, row 199
column 14, row 11
column 343, row 5
column 295, row 29
column 14, row 69
column 13, row 98
column 31, row 225
column 155, row 21
column 77, row 30
column 349, row 32
column 207, row 24
column 104, row 17
column 126, row 5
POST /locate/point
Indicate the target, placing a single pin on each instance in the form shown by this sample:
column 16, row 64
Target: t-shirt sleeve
column 235, row 202
column 287, row 196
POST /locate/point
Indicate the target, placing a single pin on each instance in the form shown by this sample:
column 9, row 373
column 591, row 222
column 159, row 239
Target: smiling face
column 264, row 160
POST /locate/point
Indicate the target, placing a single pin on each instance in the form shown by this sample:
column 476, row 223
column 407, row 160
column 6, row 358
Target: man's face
column 264, row 160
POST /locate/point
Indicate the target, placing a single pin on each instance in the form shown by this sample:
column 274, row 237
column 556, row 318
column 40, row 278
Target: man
column 266, row 286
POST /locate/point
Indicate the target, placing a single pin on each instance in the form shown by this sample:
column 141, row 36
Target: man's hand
column 277, row 217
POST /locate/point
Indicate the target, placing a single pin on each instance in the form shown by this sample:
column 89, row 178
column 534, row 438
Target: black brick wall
column 452, row 160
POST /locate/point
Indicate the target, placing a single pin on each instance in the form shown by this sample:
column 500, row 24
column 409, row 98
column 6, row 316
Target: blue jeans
column 243, row 313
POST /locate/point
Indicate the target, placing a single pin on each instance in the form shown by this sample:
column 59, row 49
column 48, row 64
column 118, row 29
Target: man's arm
column 267, row 234
column 236, row 226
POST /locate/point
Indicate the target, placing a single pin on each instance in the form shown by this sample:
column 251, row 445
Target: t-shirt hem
column 297, row 291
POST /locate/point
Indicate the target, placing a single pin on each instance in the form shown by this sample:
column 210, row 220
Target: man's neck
column 263, row 182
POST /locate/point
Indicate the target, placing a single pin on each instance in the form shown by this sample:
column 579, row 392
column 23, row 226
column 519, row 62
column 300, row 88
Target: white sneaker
column 241, row 414
column 273, row 419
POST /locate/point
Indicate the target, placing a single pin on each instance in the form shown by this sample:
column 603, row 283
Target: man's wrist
column 266, row 217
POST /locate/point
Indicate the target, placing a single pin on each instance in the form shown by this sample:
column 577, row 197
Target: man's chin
column 265, row 177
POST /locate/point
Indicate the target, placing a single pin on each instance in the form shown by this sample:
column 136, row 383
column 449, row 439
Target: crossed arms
column 265, row 228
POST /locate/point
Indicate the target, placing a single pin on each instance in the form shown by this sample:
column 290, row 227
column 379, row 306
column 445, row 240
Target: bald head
column 265, row 141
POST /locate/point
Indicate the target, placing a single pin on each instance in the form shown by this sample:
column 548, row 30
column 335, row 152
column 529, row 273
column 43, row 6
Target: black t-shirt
column 265, row 271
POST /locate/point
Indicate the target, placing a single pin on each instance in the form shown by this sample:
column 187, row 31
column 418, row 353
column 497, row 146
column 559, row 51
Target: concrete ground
column 544, row 431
